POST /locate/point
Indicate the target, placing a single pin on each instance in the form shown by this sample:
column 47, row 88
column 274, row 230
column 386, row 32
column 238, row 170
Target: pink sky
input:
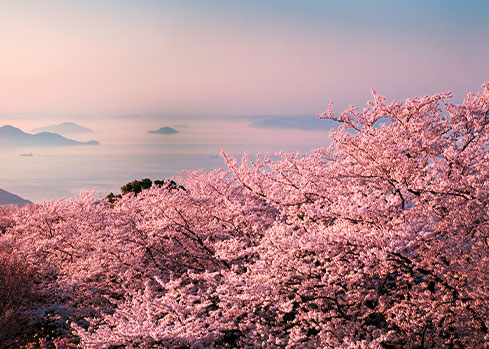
column 65, row 57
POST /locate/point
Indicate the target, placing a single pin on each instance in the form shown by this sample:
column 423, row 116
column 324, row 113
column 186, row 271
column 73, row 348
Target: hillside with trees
column 7, row 198
column 380, row 240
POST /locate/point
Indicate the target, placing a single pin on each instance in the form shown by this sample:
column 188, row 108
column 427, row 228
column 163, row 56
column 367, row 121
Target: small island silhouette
column 164, row 131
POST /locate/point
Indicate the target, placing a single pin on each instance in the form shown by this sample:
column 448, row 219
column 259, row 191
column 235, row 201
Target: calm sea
column 48, row 175
column 54, row 173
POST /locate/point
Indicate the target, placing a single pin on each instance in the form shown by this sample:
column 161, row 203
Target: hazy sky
column 234, row 58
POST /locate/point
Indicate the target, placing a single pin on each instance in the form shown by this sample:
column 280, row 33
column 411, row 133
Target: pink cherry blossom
column 380, row 240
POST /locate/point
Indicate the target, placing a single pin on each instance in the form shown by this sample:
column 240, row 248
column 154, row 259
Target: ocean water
column 55, row 173
column 52, row 176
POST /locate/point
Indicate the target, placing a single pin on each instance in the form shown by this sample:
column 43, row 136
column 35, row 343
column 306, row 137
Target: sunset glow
column 211, row 58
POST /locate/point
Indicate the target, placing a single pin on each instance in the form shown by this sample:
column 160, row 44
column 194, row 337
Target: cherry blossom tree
column 380, row 240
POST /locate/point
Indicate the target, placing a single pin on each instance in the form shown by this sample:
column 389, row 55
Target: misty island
column 14, row 137
column 64, row 128
column 164, row 131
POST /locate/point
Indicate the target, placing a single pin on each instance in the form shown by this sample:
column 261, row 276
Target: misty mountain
column 64, row 128
column 164, row 131
column 7, row 198
column 13, row 137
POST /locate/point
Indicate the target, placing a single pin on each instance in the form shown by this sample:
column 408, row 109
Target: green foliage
column 137, row 186
column 113, row 198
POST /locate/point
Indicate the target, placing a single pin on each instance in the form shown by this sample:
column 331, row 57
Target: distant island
column 14, row 137
column 7, row 198
column 64, row 128
column 164, row 131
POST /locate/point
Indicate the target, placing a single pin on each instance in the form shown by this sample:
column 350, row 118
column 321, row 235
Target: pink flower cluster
column 381, row 240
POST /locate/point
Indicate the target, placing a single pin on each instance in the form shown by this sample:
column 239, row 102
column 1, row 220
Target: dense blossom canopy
column 380, row 240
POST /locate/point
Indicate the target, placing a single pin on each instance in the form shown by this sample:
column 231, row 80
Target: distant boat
column 26, row 154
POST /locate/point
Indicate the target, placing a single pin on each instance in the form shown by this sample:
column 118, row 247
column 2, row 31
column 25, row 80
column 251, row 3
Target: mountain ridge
column 7, row 198
column 64, row 128
column 15, row 137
